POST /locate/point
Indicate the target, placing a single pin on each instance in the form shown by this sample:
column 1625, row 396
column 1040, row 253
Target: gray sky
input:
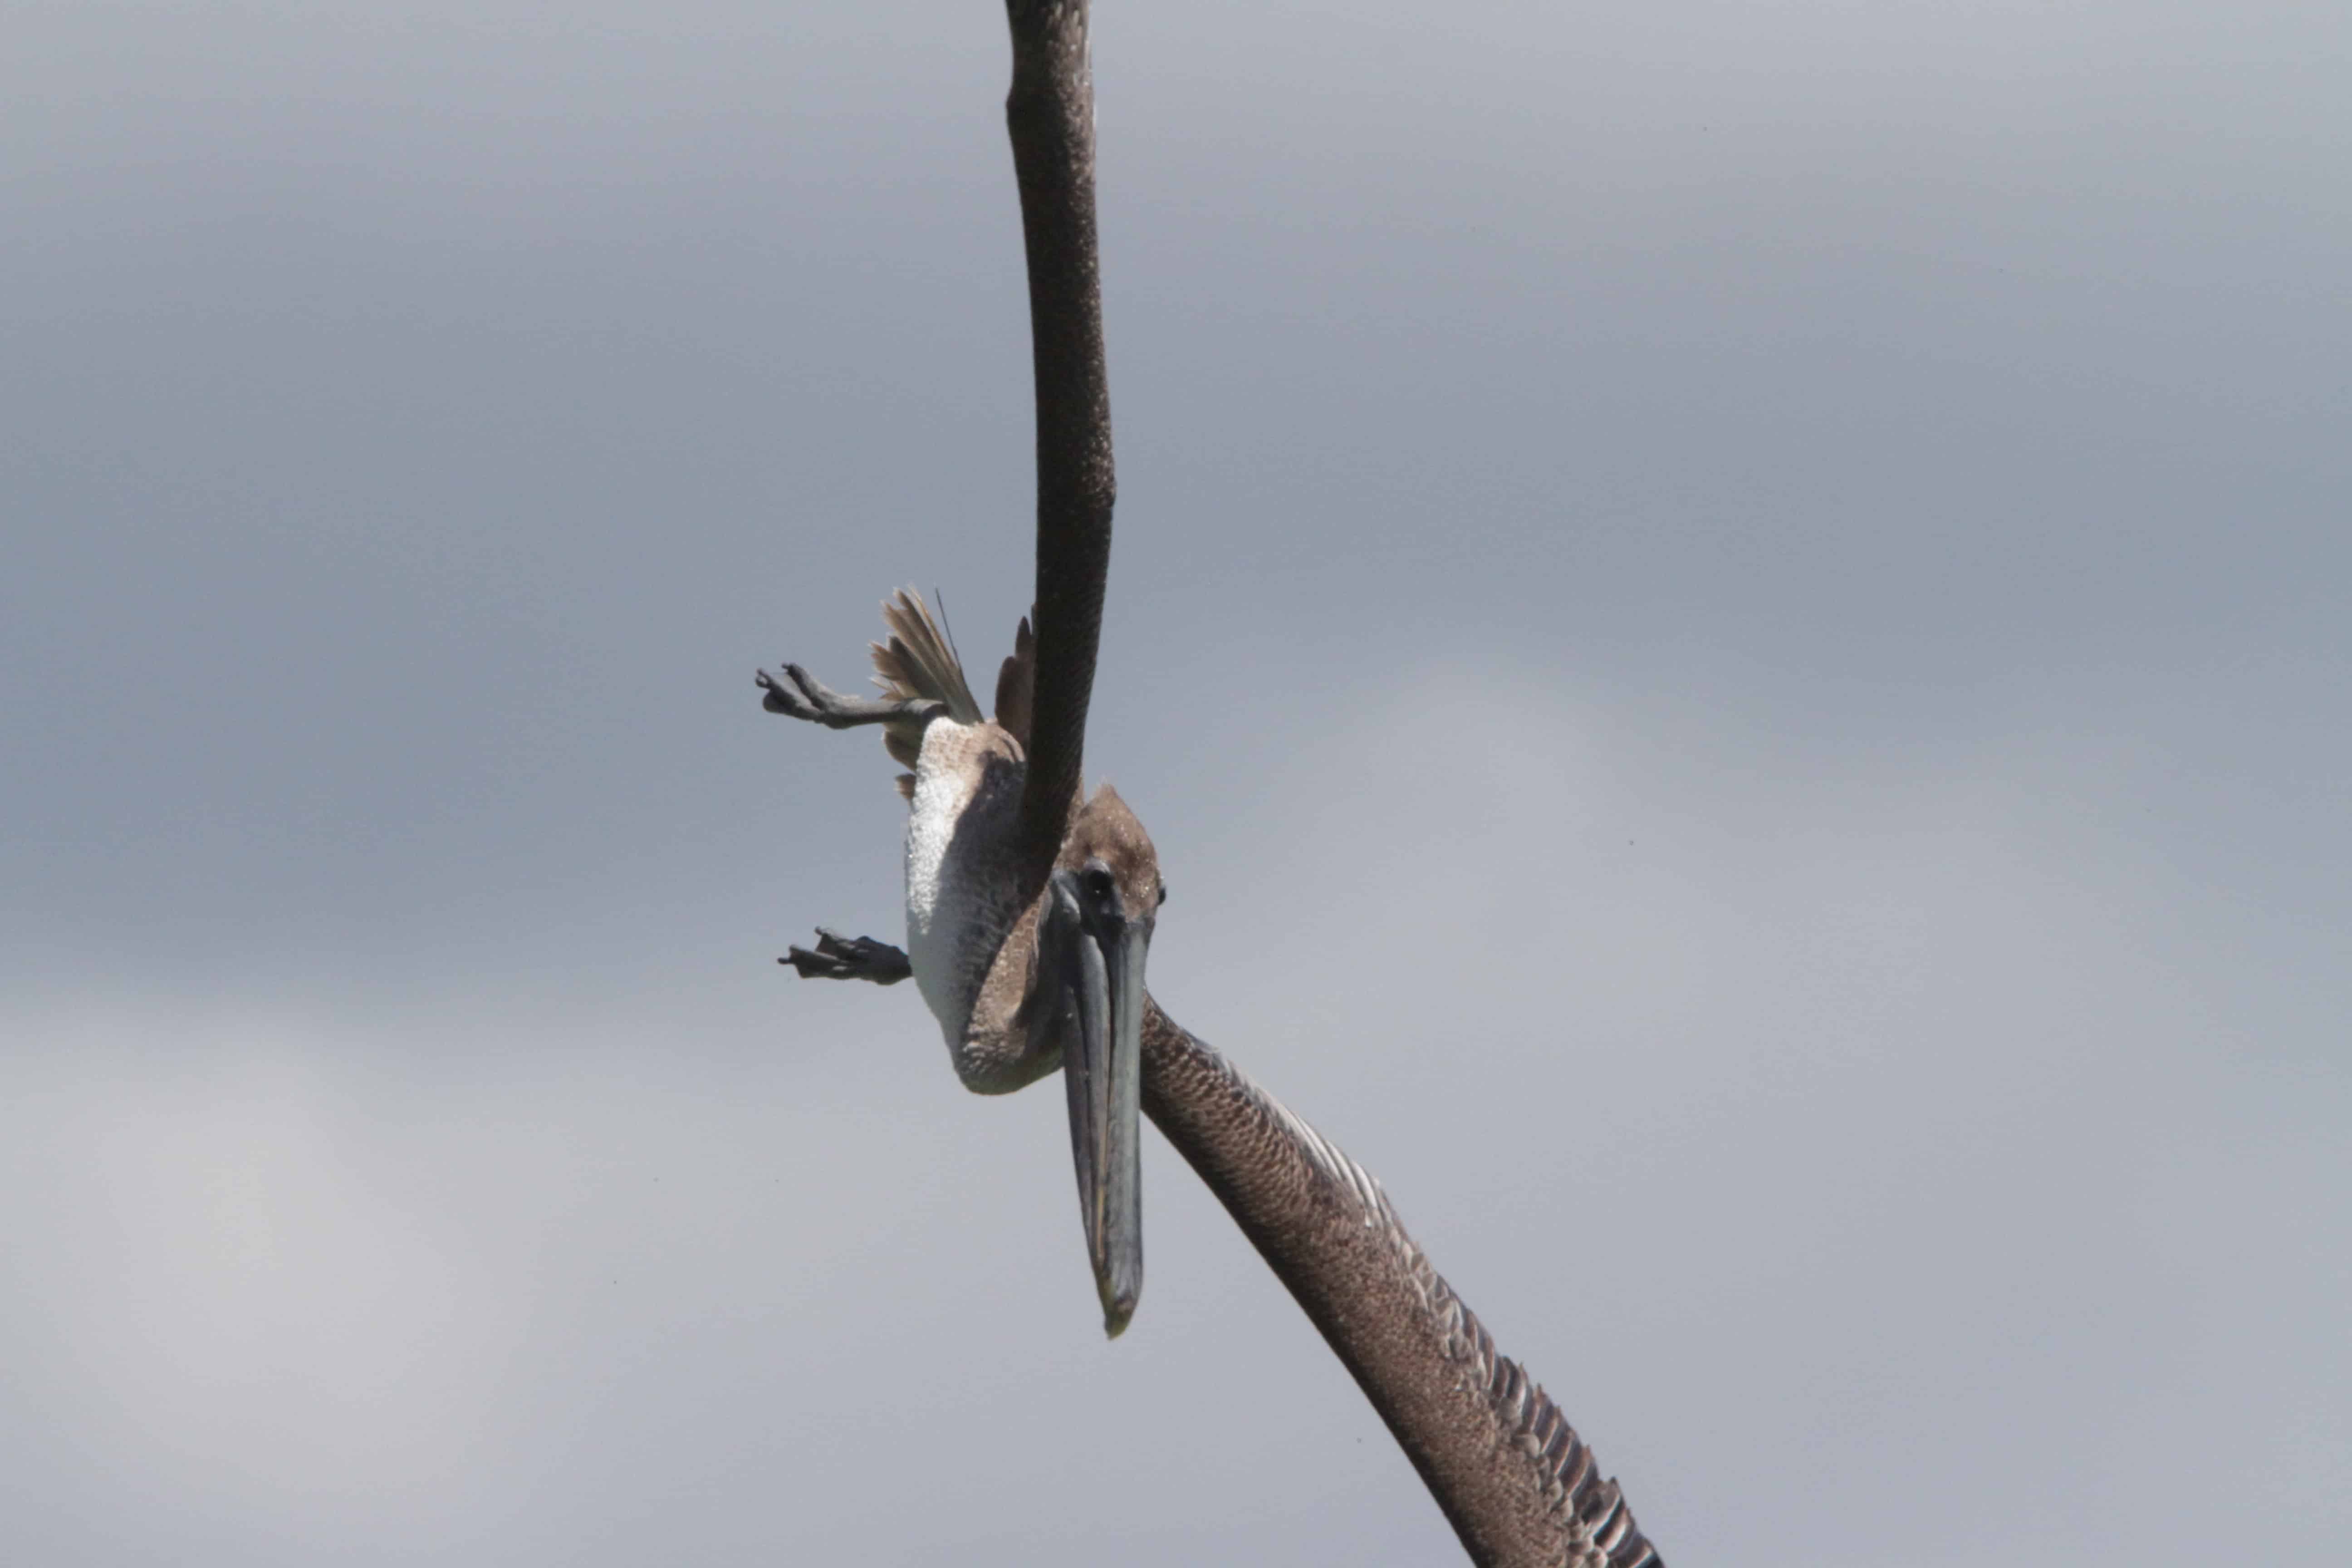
column 1730, row 619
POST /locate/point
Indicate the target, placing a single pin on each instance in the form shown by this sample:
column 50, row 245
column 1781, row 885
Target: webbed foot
column 837, row 957
column 795, row 693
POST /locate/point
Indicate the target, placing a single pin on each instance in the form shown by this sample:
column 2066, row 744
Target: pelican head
column 1105, row 895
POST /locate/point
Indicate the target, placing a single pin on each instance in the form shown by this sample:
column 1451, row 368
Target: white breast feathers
column 959, row 838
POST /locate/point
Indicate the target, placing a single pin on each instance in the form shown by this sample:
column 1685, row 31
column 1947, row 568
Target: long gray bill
column 1102, row 1066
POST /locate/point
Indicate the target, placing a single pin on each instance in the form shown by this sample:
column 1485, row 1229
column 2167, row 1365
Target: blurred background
column 1731, row 620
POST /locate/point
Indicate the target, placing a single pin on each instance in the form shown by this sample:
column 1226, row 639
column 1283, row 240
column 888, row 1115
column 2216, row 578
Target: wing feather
column 1016, row 685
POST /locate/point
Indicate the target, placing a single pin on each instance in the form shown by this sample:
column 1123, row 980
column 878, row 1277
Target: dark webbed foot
column 797, row 694
column 839, row 957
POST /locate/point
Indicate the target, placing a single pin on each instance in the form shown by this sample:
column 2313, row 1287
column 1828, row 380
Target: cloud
column 1861, row 1154
column 1726, row 620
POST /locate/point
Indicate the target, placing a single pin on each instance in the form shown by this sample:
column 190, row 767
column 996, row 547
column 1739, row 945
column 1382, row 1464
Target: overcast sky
column 1731, row 620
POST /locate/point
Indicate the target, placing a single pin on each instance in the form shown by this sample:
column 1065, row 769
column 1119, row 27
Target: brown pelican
column 1071, row 893
column 1017, row 988
column 1022, row 980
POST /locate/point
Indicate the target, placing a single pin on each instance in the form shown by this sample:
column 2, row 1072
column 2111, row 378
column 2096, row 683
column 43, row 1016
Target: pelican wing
column 1511, row 1474
column 1050, row 113
column 1016, row 685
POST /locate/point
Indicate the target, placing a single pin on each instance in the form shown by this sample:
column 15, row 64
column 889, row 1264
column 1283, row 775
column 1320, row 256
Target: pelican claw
column 797, row 694
column 837, row 957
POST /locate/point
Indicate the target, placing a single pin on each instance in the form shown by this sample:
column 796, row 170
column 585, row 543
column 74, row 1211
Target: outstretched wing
column 1514, row 1478
column 1050, row 113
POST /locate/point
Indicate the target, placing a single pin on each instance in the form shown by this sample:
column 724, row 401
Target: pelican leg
column 837, row 957
column 797, row 694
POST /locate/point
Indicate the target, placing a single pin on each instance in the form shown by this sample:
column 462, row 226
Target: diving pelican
column 1021, row 979
column 1019, row 986
column 1069, row 893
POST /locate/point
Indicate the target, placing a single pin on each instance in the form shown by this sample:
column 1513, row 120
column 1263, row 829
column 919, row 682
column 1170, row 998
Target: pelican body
column 1023, row 978
column 1029, row 914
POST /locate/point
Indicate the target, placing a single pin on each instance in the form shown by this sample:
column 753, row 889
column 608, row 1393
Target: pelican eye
column 1098, row 881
